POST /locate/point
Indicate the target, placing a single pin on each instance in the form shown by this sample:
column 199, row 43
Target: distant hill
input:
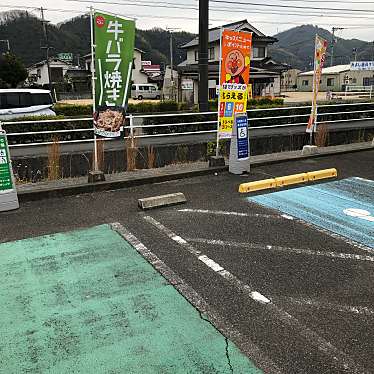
column 25, row 34
column 296, row 47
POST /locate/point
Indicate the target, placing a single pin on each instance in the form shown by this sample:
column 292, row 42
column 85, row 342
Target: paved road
column 294, row 297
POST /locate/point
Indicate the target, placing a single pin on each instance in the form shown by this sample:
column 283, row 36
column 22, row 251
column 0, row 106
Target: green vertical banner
column 114, row 40
column 6, row 182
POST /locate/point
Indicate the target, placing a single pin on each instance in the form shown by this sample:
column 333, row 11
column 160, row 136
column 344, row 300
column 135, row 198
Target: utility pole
column 203, row 54
column 170, row 30
column 46, row 47
column 7, row 42
column 354, row 52
column 333, row 42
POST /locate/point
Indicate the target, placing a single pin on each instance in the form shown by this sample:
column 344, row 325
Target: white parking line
column 327, row 305
column 244, row 343
column 301, row 251
column 238, row 214
column 341, row 360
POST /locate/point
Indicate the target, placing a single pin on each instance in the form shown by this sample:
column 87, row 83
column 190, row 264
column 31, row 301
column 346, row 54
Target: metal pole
column 93, row 84
column 45, row 31
column 220, row 88
column 203, row 54
column 171, row 65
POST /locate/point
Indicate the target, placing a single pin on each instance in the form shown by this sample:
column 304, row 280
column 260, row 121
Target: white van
column 145, row 91
column 25, row 102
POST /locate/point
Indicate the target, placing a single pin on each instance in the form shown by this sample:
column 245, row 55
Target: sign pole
column 93, row 84
column 220, row 88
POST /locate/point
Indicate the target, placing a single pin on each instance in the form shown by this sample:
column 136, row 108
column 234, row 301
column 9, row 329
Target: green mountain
column 296, row 47
column 25, row 34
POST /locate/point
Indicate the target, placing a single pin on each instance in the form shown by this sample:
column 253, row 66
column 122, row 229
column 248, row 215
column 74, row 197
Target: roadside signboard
column 8, row 193
column 114, row 40
column 362, row 65
column 319, row 60
column 234, row 77
column 239, row 148
column 68, row 57
column 187, row 84
column 242, row 136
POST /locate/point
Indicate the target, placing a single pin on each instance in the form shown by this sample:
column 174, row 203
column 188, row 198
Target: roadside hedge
column 261, row 115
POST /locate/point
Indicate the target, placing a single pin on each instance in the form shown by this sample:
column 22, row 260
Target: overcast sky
column 357, row 25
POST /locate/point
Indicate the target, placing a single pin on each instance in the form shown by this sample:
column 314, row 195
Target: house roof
column 244, row 25
column 330, row 70
column 43, row 62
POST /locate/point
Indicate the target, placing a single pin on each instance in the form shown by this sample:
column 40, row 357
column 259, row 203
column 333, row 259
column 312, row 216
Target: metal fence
column 186, row 124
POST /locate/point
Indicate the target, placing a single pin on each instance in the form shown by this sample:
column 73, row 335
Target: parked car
column 145, row 91
column 25, row 102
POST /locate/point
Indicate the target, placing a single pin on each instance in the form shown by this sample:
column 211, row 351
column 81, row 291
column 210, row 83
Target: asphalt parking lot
column 292, row 291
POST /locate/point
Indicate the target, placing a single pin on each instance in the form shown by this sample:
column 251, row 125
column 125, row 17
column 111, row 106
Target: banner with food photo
column 114, row 51
column 236, row 49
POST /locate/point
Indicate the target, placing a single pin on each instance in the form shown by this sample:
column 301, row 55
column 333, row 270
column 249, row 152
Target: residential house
column 336, row 78
column 265, row 73
column 289, row 79
column 38, row 72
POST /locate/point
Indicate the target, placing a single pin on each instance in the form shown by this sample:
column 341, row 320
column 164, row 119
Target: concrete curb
column 261, row 160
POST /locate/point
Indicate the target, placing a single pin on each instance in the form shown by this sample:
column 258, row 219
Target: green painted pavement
column 87, row 302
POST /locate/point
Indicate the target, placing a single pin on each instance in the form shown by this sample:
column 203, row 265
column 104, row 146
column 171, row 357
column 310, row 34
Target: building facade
column 289, row 79
column 265, row 73
column 336, row 78
column 38, row 73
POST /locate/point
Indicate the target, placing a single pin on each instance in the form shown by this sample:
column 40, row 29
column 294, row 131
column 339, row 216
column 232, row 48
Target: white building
column 336, row 78
column 138, row 74
column 38, row 73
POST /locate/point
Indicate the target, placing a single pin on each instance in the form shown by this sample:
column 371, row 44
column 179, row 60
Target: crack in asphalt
column 226, row 340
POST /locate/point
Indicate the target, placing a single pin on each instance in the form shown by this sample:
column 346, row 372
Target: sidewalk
column 74, row 186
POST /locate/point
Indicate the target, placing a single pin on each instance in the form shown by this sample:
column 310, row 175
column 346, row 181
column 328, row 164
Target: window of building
column 330, row 82
column 196, row 55
column 368, row 81
column 211, row 53
column 305, row 83
column 258, row 52
column 354, row 80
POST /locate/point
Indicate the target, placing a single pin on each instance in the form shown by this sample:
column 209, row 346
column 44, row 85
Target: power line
column 75, row 11
column 293, row 6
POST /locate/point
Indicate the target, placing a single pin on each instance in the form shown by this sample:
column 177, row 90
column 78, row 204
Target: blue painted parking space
column 345, row 207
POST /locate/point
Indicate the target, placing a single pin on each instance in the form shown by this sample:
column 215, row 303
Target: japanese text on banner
column 114, row 39
column 234, row 78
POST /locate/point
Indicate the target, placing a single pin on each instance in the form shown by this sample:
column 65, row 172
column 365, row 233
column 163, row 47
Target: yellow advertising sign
column 233, row 99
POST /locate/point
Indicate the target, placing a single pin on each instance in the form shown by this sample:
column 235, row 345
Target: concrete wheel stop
column 162, row 200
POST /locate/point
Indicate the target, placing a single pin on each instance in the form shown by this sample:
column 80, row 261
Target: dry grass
column 54, row 160
column 131, row 145
column 151, row 157
column 322, row 135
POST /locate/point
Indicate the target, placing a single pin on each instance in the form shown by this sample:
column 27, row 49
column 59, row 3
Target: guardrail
column 148, row 125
